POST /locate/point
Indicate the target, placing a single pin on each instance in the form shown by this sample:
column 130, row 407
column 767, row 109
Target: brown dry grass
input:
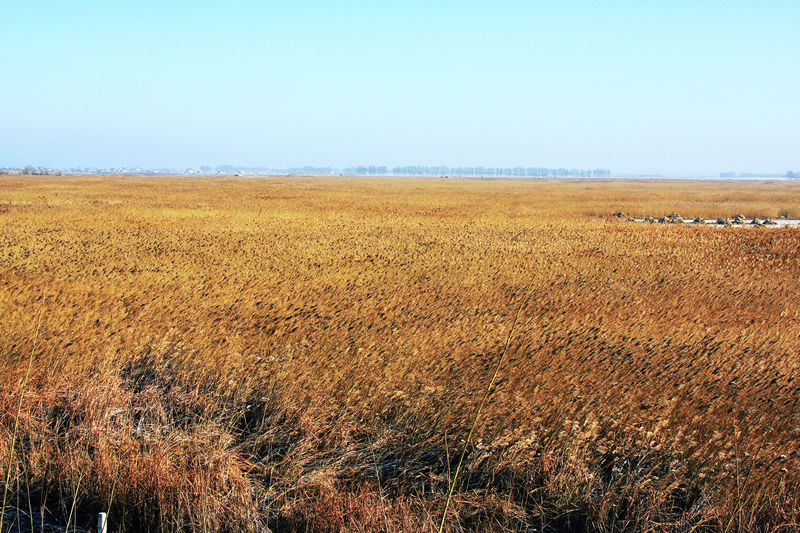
column 306, row 354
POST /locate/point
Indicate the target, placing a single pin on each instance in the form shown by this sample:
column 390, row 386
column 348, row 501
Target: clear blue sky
column 673, row 87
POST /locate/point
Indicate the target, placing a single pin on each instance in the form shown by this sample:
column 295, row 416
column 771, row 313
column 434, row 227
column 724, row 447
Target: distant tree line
column 362, row 170
column 417, row 170
column 538, row 172
column 30, row 170
column 35, row 171
column 789, row 174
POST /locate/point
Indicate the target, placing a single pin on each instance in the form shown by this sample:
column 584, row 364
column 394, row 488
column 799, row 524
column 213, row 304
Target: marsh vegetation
column 308, row 354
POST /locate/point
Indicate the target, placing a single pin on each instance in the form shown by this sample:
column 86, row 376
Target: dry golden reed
column 308, row 354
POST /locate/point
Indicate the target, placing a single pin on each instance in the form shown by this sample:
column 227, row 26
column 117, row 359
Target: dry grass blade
column 486, row 394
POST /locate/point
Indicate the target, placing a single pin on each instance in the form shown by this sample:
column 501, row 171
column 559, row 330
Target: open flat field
column 308, row 354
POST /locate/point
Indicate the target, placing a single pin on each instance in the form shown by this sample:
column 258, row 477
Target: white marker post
column 102, row 527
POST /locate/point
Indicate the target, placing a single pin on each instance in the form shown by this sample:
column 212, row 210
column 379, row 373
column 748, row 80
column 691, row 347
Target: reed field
column 308, row 354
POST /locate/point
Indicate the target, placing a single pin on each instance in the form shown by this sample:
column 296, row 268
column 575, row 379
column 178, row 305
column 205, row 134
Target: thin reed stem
column 736, row 515
column 486, row 394
column 16, row 416
column 380, row 488
column 75, row 496
column 111, row 496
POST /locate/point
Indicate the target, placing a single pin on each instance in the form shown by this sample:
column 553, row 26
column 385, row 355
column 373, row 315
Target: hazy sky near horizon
column 680, row 87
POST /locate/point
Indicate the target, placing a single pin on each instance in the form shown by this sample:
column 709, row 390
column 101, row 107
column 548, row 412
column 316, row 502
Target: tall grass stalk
column 75, row 496
column 111, row 496
column 486, row 394
column 16, row 416
column 740, row 503
column 380, row 488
